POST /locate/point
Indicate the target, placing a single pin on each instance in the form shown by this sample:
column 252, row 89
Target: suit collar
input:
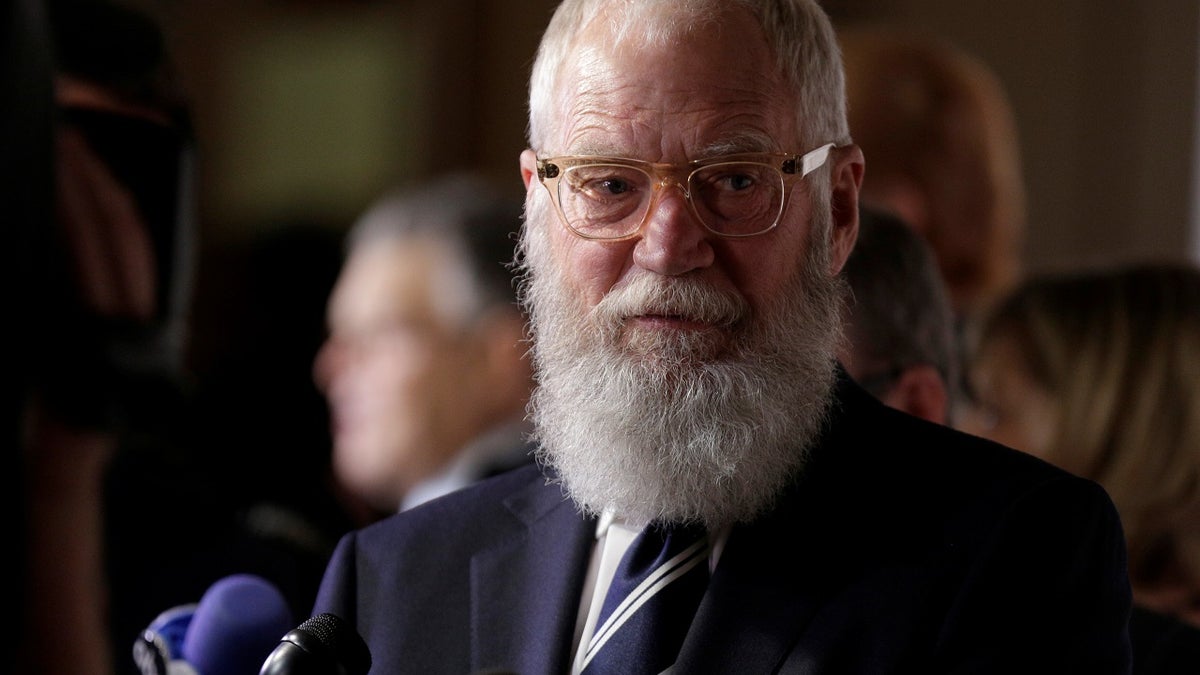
column 541, row 565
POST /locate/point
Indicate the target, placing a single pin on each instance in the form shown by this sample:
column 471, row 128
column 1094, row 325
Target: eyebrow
column 743, row 144
column 749, row 143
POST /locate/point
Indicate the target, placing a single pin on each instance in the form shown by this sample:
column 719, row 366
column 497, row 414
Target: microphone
column 324, row 644
column 161, row 644
column 236, row 623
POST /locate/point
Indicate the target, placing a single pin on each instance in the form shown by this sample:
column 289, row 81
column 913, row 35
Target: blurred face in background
column 1011, row 406
column 397, row 368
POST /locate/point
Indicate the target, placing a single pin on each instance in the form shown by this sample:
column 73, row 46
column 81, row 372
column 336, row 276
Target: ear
column 920, row 391
column 528, row 167
column 845, row 180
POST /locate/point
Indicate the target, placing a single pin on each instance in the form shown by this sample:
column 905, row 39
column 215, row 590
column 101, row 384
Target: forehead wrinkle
column 612, row 110
column 600, row 127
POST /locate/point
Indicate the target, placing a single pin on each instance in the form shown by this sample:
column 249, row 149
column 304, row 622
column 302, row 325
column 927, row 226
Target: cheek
column 397, row 372
column 589, row 268
column 1037, row 420
column 1016, row 433
column 759, row 280
column 1014, row 411
column 1011, row 432
column 400, row 394
column 762, row 267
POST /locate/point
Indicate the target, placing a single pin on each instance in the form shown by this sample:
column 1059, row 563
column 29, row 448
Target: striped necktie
column 651, row 602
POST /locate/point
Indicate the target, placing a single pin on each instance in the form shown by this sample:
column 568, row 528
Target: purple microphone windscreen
column 237, row 623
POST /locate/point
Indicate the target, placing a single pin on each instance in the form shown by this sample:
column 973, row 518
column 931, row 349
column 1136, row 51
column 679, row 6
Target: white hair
column 798, row 31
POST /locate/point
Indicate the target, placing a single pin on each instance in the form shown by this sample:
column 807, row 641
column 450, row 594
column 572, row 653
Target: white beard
column 679, row 427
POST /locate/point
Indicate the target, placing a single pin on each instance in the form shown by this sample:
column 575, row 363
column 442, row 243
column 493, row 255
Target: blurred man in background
column 424, row 369
column 900, row 328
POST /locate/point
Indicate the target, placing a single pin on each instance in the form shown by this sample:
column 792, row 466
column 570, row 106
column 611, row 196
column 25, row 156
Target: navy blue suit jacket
column 911, row 548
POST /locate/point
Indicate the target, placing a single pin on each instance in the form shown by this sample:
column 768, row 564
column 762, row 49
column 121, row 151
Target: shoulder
column 466, row 517
column 861, row 429
column 437, row 542
column 900, row 466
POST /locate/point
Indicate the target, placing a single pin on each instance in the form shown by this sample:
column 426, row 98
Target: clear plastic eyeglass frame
column 787, row 167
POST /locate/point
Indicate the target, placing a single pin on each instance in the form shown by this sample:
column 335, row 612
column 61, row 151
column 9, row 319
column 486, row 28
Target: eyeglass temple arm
column 814, row 158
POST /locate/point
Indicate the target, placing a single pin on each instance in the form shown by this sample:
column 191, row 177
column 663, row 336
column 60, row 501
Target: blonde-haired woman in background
column 1099, row 372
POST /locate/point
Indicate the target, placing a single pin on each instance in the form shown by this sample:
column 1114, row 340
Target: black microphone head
column 325, row 644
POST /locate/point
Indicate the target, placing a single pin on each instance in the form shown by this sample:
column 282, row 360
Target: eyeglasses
column 611, row 198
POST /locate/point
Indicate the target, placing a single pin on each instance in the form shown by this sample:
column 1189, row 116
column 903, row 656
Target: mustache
column 684, row 298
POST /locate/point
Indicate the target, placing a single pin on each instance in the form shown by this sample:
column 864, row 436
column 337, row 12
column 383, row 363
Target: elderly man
column 713, row 493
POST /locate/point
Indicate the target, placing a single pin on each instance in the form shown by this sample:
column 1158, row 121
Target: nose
column 667, row 182
column 673, row 241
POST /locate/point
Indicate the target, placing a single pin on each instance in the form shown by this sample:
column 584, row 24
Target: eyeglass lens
column 608, row 201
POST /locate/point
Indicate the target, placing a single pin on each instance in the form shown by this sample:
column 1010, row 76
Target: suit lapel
column 525, row 589
column 759, row 601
